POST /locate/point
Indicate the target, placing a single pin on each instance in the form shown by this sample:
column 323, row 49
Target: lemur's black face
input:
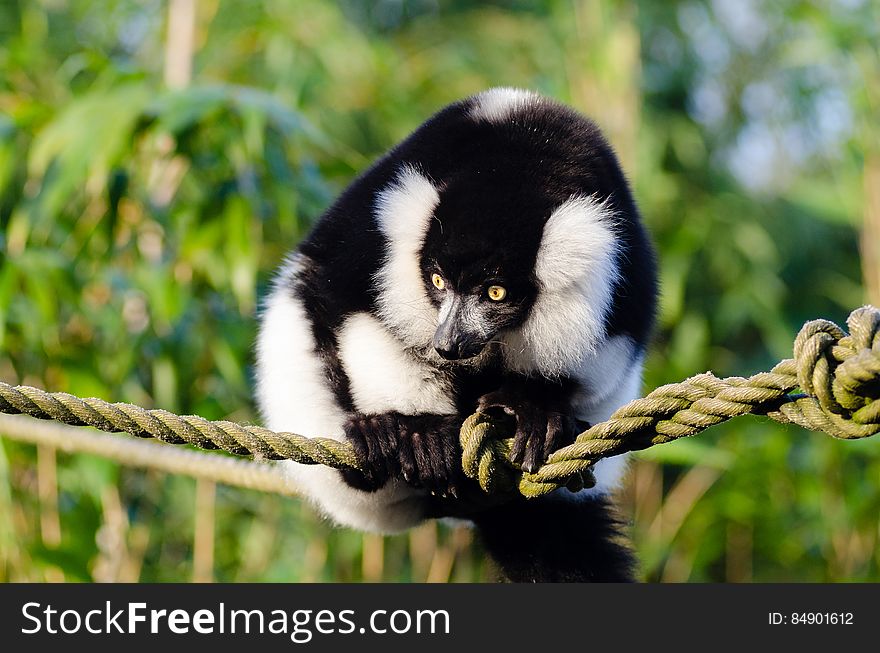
column 477, row 267
column 475, row 301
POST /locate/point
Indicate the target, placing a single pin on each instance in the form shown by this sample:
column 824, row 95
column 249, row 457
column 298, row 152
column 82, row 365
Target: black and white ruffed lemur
column 493, row 260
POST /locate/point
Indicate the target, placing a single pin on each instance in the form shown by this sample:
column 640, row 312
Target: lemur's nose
column 448, row 350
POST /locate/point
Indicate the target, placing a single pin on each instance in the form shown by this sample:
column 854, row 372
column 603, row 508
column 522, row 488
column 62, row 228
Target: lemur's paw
column 374, row 439
column 430, row 453
column 421, row 449
column 539, row 431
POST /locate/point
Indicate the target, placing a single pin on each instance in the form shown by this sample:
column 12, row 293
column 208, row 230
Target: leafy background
column 144, row 206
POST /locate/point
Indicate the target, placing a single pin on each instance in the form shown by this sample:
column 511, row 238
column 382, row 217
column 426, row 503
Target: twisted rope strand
column 238, row 439
column 839, row 375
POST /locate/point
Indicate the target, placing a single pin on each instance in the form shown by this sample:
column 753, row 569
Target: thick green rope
column 238, row 439
column 839, row 375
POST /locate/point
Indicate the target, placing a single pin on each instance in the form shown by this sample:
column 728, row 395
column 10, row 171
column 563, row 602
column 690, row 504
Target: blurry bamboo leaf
column 8, row 543
column 165, row 385
column 688, row 346
column 71, row 562
column 178, row 110
column 80, row 146
column 8, row 154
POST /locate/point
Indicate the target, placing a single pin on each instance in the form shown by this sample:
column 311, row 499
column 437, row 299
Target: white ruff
column 403, row 212
column 576, row 269
column 499, row 104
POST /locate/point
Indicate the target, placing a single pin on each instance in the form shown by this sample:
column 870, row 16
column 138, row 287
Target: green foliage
column 139, row 226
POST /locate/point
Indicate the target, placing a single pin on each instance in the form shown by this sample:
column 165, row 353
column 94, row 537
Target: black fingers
column 406, row 454
column 536, row 431
column 422, row 449
column 561, row 432
column 528, row 442
column 375, row 443
column 436, row 453
column 539, row 431
column 498, row 402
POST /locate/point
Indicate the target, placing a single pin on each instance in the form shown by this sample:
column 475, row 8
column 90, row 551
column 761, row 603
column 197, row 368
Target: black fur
column 499, row 184
column 550, row 540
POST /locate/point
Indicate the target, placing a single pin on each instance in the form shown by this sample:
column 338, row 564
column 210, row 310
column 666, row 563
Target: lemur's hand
column 540, row 430
column 422, row 449
column 374, row 439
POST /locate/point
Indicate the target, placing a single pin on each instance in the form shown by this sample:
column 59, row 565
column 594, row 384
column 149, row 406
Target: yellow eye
column 437, row 280
column 496, row 293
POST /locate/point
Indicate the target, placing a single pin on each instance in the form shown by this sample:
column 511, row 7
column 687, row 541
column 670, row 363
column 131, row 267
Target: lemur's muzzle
column 456, row 337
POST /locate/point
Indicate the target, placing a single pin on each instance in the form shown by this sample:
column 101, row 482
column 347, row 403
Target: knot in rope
column 485, row 454
column 842, row 373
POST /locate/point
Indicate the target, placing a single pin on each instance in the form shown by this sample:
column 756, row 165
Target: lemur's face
column 477, row 268
column 474, row 302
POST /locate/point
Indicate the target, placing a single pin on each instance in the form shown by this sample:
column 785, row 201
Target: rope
column 839, row 375
column 249, row 474
column 238, row 439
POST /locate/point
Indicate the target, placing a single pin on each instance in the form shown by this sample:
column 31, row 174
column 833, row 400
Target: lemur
column 494, row 260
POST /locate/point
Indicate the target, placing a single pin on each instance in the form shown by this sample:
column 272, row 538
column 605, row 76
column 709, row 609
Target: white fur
column 499, row 104
column 384, row 377
column 601, row 376
column 294, row 396
column 403, row 212
column 576, row 268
